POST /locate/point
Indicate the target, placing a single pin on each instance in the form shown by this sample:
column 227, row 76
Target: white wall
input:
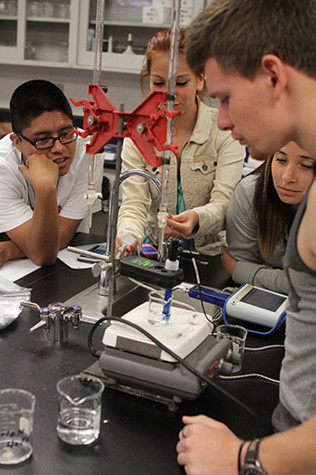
column 121, row 87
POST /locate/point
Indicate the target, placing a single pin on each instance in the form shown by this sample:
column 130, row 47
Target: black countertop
column 137, row 436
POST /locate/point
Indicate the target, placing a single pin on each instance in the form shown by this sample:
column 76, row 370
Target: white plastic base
column 184, row 332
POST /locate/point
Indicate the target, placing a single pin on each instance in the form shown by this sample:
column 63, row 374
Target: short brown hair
column 238, row 33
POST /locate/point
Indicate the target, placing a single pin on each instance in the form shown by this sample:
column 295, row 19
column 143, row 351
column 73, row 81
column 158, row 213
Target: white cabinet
column 39, row 33
column 136, row 19
column 60, row 33
column 10, row 40
column 48, row 36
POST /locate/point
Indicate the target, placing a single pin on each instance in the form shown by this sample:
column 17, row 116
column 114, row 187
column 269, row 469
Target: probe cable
column 200, row 376
column 279, row 322
column 216, row 317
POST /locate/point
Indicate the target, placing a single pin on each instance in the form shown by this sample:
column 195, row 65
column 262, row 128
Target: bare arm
column 8, row 251
column 41, row 237
column 209, row 447
column 306, row 236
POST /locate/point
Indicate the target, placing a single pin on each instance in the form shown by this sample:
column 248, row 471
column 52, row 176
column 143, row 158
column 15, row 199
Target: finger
column 182, row 458
column 179, row 227
column 201, row 419
column 171, row 231
column 174, row 220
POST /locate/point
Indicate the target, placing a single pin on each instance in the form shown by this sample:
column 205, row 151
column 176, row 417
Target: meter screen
column 262, row 299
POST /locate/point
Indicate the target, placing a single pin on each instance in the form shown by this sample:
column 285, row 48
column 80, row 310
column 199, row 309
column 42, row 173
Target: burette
column 172, row 77
column 91, row 195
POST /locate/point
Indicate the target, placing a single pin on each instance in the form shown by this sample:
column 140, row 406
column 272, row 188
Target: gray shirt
column 243, row 245
column 298, row 372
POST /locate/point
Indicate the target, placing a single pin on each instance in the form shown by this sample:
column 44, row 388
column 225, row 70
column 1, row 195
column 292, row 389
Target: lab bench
column 138, row 436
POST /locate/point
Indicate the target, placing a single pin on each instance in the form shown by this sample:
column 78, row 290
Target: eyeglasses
column 49, row 142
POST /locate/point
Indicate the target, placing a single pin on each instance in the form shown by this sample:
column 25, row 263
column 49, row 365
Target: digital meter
column 250, row 303
column 256, row 305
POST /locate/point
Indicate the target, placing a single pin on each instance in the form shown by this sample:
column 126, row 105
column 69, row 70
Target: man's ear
column 276, row 72
column 16, row 142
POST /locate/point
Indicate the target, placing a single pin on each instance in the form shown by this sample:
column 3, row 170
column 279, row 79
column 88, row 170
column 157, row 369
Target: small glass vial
column 63, row 10
column 48, row 10
column 33, row 9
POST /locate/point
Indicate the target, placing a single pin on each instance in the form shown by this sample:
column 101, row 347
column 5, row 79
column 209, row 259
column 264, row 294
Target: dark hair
column 160, row 42
column 33, row 98
column 273, row 216
column 238, row 33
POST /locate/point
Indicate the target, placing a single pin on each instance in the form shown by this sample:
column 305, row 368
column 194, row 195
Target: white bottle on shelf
column 129, row 45
column 110, row 44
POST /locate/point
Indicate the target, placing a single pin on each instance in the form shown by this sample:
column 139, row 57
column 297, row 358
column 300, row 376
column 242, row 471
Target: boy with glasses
column 43, row 175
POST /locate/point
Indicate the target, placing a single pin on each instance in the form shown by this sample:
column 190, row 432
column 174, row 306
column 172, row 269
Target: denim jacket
column 211, row 165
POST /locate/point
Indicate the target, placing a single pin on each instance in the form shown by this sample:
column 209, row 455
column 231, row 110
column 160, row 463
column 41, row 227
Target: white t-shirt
column 17, row 195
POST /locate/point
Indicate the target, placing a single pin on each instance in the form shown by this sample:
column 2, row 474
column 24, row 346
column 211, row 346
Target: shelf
column 9, row 17
column 37, row 37
column 49, row 64
column 132, row 24
column 47, row 19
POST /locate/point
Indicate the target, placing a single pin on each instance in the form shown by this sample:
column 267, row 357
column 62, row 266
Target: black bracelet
column 239, row 455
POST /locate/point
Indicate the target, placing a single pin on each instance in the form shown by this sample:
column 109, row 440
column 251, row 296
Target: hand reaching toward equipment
column 125, row 246
column 182, row 224
column 201, row 445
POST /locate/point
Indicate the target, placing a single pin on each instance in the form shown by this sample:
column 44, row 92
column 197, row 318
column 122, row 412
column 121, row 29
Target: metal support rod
column 172, row 77
column 98, row 48
column 112, row 226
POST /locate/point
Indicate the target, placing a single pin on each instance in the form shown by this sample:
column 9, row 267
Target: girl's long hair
column 274, row 217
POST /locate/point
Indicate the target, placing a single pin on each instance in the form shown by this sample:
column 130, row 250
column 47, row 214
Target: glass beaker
column 237, row 335
column 16, row 425
column 79, row 409
column 159, row 307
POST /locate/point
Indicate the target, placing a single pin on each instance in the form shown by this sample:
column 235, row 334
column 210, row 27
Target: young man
column 260, row 62
column 43, row 175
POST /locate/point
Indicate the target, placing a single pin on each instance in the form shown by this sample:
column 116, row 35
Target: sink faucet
column 107, row 274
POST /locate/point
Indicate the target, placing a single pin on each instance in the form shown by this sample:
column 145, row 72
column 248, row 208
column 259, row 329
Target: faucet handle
column 32, row 305
column 101, row 257
column 75, row 315
column 53, row 311
column 43, row 311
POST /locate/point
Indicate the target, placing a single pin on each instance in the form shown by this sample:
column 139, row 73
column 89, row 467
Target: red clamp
column 146, row 128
